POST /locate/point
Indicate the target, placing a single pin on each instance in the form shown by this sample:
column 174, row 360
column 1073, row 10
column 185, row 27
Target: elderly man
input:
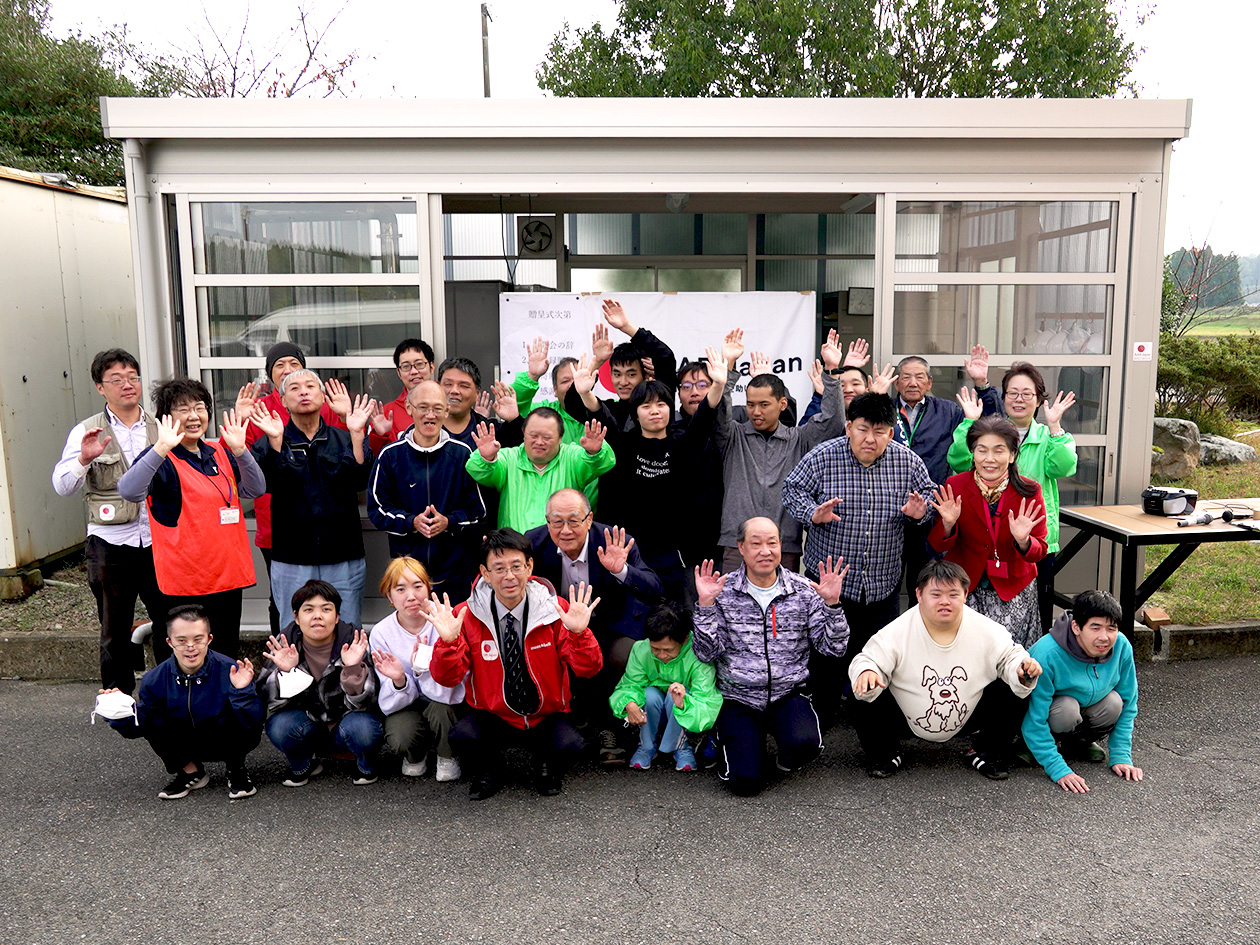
column 315, row 473
column 413, row 360
column 570, row 550
column 758, row 626
column 526, row 476
column 421, row 495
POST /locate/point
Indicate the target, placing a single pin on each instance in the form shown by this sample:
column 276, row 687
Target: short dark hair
column 777, row 390
column 460, row 364
column 106, row 359
column 875, row 409
column 547, row 413
column 845, row 369
column 647, row 392
column 189, row 612
column 665, row 621
column 942, row 572
column 170, row 394
column 312, row 589
column 503, row 540
column 626, row 353
column 1029, row 371
column 1090, row 604
column 555, row 371
column 412, row 344
column 695, row 367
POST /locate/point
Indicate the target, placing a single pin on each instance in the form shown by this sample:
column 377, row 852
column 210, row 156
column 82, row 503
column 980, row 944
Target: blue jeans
column 347, row 577
column 660, row 703
column 299, row 738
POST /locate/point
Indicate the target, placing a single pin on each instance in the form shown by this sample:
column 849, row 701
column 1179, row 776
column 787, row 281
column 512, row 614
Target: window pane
column 305, row 237
column 601, row 234
column 324, row 321
column 851, row 234
column 699, row 280
column 612, row 280
column 667, row 234
column 1085, row 488
column 792, row 234
column 795, row 275
column 725, row 234
column 1088, row 415
column 529, row 272
column 1025, row 236
column 1008, row 319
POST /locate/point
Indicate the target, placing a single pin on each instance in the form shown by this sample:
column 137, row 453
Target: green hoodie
column 1043, row 458
column 700, row 705
column 524, row 490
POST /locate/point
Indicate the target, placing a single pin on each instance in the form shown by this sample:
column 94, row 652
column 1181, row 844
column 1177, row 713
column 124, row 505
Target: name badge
column 488, row 650
column 424, row 656
column 229, row 516
column 106, row 512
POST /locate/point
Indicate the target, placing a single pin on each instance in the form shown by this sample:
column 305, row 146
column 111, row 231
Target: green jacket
column 700, row 705
column 526, row 388
column 524, row 491
column 1043, row 458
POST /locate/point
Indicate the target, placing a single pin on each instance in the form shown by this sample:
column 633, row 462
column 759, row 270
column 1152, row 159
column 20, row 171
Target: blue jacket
column 171, row 701
column 933, row 432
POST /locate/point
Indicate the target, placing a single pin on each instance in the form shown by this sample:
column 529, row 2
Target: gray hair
column 300, row 372
column 571, row 494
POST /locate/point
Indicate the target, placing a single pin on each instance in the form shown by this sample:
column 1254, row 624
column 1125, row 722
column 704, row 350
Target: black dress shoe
column 549, row 781
column 483, row 787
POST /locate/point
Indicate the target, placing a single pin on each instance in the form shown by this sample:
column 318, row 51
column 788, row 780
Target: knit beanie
column 283, row 349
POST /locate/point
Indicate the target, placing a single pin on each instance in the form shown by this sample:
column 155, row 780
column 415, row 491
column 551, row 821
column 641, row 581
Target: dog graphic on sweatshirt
column 946, row 713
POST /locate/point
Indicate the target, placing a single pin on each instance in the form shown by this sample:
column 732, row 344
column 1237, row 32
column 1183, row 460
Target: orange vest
column 201, row 555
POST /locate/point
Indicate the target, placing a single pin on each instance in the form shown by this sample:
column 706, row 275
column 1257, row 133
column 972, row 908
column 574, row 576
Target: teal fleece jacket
column 1087, row 681
column 702, row 702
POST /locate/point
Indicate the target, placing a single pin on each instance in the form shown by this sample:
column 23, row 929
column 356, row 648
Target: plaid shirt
column 869, row 533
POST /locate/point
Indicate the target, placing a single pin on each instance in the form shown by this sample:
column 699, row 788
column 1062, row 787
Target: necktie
column 518, row 688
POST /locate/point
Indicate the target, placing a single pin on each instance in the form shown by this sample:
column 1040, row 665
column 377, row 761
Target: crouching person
column 197, row 706
column 758, row 626
column 950, row 671
column 1087, row 693
column 665, row 684
column 516, row 642
column 419, row 713
column 320, row 688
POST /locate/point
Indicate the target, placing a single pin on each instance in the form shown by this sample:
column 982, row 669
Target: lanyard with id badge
column 995, row 567
column 228, row 513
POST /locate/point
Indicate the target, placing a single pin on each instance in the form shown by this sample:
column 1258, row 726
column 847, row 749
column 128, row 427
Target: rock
column 1179, row 440
column 1221, row 451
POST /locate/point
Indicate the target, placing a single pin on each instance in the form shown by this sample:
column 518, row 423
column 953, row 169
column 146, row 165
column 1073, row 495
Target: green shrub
column 1209, row 379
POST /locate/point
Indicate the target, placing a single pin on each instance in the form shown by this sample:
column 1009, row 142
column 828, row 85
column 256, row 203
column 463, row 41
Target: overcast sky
column 432, row 49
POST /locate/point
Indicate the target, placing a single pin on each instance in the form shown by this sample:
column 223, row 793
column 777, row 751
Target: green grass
column 1238, row 323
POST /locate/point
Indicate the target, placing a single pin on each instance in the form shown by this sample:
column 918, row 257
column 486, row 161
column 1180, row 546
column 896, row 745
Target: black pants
column 481, row 737
column 273, row 612
column 742, row 734
column 829, row 675
column 118, row 574
column 914, row 555
column 995, row 721
column 590, row 696
column 224, row 612
column 1045, row 591
column 227, row 741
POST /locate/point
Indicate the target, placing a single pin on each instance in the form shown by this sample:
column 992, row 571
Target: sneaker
column 549, row 780
column 610, row 752
column 1094, row 751
column 183, row 782
column 415, row 769
column 448, row 769
column 708, row 751
column 685, row 758
column 297, row 779
column 641, row 760
column 991, row 768
column 240, row 784
column 362, row 778
column 481, row 788
column 885, row 769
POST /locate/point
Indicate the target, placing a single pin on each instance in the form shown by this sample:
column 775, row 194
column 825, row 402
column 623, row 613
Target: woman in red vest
column 992, row 521
column 193, row 488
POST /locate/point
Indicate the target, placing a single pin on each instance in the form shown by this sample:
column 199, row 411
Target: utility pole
column 485, row 48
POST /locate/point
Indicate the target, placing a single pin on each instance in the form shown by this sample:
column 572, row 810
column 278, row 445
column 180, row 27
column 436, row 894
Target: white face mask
column 294, row 681
column 424, row 656
column 114, row 705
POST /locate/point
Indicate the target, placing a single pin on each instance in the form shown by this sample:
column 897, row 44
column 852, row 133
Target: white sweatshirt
column 938, row 687
column 390, row 635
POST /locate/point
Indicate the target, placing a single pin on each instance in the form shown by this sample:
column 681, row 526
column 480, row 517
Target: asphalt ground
column 936, row 854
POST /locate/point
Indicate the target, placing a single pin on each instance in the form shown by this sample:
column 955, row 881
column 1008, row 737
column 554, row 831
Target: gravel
column 55, row 607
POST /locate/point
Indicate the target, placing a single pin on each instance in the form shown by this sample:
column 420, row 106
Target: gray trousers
column 1067, row 716
column 411, row 732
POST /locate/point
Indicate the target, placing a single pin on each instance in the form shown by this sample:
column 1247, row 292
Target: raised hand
column 539, row 361
column 232, row 431
column 830, row 350
column 338, row 397
column 352, row 653
column 616, row 550
column 718, row 374
column 268, row 421
column 759, row 363
column 615, row 315
column 1030, row 513
column 170, row 433
column 505, row 401
column 858, row 354
column 578, row 617
column 390, row 666
column 482, row 404
column 880, row 382
column 487, row 445
column 593, row 437
column 584, row 375
column 91, row 446
column 442, row 615
column 948, row 506
column 241, row 674
column 916, row 506
column 709, row 583
column 815, row 372
column 601, row 346
column 978, row 364
column 826, row 512
column 382, row 423
column 246, row 398
column 635, row 715
column 1056, row 410
column 867, row 680
column 678, row 692
column 360, row 413
column 282, row 653
column 830, row 580
column 649, row 369
column 970, row 403
column 732, row 347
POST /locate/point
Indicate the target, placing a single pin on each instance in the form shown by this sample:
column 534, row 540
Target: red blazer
column 971, row 543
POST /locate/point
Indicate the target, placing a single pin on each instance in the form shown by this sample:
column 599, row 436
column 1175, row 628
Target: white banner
column 782, row 324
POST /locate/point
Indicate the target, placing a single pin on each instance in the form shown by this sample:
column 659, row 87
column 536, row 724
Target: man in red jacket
column 516, row 641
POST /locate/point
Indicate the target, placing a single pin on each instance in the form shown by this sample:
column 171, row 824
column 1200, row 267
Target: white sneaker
column 448, row 769
column 416, row 769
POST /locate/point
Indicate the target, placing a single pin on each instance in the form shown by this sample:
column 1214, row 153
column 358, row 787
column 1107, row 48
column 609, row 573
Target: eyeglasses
column 428, row 410
column 1021, row 395
column 190, row 644
column 518, row 569
column 555, row 522
column 187, row 410
column 133, row 380
column 408, row 366
column 694, row 385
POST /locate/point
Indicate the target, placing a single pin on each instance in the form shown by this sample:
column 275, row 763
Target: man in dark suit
column 572, row 549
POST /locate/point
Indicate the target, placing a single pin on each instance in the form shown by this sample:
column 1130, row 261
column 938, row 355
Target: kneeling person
column 951, row 671
column 1088, row 692
column 197, row 706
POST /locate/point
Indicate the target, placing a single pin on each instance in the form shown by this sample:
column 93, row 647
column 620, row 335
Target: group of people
column 660, row 575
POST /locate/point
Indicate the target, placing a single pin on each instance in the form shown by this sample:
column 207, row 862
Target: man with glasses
column 572, row 549
column 119, row 547
column 413, row 359
column 421, row 495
